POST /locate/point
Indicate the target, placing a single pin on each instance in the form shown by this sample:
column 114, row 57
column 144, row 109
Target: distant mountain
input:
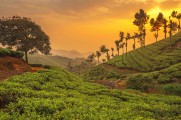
column 69, row 54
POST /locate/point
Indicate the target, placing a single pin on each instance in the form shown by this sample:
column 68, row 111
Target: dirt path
column 118, row 84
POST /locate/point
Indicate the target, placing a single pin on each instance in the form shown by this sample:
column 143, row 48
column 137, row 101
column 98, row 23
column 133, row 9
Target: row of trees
column 141, row 19
column 23, row 35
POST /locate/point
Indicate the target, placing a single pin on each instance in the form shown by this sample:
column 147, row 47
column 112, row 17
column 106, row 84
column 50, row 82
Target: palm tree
column 173, row 27
column 112, row 49
column 98, row 54
column 141, row 19
column 177, row 15
column 117, row 42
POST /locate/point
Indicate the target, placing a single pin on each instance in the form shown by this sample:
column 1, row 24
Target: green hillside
column 53, row 60
column 154, row 68
column 167, row 81
column 58, row 94
column 152, row 57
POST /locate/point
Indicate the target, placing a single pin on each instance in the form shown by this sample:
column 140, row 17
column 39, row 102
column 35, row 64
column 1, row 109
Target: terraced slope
column 167, row 81
column 60, row 95
column 153, row 57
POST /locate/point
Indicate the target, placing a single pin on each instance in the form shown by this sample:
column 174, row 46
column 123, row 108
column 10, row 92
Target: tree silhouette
column 117, row 42
column 103, row 50
column 164, row 22
column 121, row 35
column 134, row 38
column 24, row 35
column 90, row 58
column 122, row 46
column 126, row 44
column 112, row 49
column 156, row 24
column 141, row 19
column 98, row 54
column 176, row 15
column 173, row 27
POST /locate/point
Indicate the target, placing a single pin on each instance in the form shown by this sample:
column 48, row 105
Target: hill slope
column 154, row 68
column 53, row 60
column 57, row 94
column 152, row 57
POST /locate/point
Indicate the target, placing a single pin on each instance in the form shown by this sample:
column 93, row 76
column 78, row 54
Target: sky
column 85, row 25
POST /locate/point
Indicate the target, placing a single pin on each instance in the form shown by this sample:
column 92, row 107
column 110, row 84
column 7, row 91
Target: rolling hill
column 54, row 60
column 154, row 68
column 58, row 94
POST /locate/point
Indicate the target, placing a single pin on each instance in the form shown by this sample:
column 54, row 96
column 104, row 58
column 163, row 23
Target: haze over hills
column 69, row 53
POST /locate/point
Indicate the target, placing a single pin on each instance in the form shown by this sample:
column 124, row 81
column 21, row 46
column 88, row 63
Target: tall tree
column 134, row 38
column 177, row 15
column 103, row 50
column 173, row 27
column 141, row 19
column 112, row 49
column 156, row 24
column 164, row 22
column 24, row 35
column 117, row 42
column 126, row 45
column 121, row 35
column 122, row 46
column 98, row 55
column 90, row 58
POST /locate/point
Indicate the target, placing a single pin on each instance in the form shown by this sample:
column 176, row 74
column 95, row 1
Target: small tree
column 24, row 35
column 103, row 50
column 112, row 49
column 117, row 42
column 177, row 15
column 127, row 38
column 156, row 24
column 141, row 19
column 164, row 22
column 90, row 59
column 173, row 27
column 122, row 46
column 98, row 55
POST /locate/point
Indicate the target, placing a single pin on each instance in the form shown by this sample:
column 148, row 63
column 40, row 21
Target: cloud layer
column 83, row 8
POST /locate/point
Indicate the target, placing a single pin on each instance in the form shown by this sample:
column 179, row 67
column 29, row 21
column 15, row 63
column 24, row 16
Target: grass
column 58, row 94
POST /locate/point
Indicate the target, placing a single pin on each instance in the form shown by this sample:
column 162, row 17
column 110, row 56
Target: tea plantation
column 60, row 95
column 152, row 57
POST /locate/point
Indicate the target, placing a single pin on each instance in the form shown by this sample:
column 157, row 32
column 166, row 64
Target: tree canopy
column 24, row 35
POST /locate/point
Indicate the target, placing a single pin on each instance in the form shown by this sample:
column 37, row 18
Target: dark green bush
column 8, row 52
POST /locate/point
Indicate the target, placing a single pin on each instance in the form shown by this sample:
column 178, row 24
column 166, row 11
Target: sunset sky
column 85, row 25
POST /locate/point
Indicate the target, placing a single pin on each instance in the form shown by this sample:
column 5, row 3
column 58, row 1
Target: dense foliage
column 58, row 94
column 166, row 81
column 152, row 57
column 23, row 34
column 8, row 52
